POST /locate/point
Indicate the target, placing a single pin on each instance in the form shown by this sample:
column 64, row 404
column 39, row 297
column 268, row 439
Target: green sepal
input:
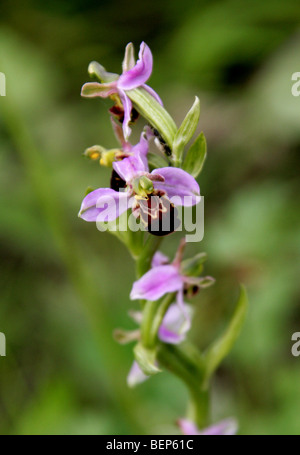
column 186, row 131
column 126, row 336
column 195, row 156
column 98, row 71
column 88, row 190
column 193, row 266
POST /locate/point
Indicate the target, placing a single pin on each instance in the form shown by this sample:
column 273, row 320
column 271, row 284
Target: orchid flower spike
column 226, row 427
column 114, row 86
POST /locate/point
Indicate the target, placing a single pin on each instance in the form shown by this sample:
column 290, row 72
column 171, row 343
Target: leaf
column 154, row 113
column 187, row 129
column 195, row 156
column 156, row 161
column 223, row 345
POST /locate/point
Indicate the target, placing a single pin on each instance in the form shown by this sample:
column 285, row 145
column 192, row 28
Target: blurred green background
column 65, row 286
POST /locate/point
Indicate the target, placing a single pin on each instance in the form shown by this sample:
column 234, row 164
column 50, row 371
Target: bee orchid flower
column 165, row 277
column 134, row 76
column 149, row 195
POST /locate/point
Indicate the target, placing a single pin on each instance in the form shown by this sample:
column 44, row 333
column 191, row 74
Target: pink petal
column 188, row 427
column 104, row 204
column 159, row 259
column 152, row 93
column 175, row 325
column 156, row 283
column 141, row 149
column 130, row 167
column 136, row 375
column 227, row 427
column 179, row 185
column 127, row 105
column 140, row 73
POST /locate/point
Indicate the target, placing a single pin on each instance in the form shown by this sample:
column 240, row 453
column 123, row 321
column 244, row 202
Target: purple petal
column 104, row 204
column 179, row 185
column 141, row 150
column 227, row 427
column 156, row 283
column 175, row 325
column 130, row 167
column 127, row 105
column 188, row 427
column 94, row 89
column 159, row 259
column 152, row 93
column 136, row 375
column 140, row 73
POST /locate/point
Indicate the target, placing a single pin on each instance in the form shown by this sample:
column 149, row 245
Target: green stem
column 144, row 261
column 186, row 363
column 153, row 315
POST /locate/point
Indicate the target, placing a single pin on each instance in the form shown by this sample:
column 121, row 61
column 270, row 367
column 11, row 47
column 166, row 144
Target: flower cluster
column 152, row 194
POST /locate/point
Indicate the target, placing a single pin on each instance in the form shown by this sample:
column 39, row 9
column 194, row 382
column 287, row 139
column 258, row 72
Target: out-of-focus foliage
column 65, row 286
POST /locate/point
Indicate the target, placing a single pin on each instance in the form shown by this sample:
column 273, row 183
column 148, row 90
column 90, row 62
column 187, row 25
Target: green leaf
column 195, row 156
column 186, row 130
column 156, row 114
column 146, row 358
column 223, row 345
column 156, row 161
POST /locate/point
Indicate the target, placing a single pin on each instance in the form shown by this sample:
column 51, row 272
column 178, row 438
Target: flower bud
column 193, row 266
column 94, row 153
